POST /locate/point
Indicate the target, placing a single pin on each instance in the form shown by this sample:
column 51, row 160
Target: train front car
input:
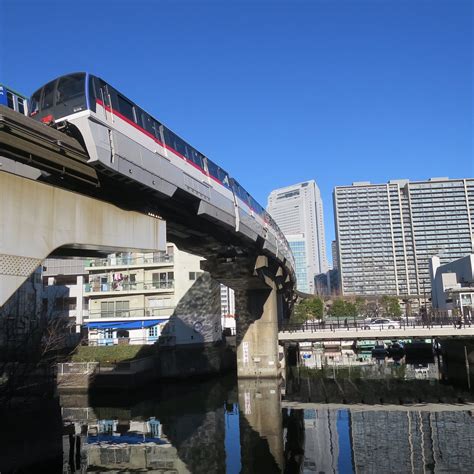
column 125, row 141
column 60, row 98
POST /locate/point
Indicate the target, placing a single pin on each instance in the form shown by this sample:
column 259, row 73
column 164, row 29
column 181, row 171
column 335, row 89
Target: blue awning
column 126, row 324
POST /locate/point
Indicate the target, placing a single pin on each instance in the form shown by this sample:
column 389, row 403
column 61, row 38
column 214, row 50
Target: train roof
column 23, row 96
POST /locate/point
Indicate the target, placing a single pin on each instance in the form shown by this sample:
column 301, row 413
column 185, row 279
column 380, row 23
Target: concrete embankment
column 201, row 360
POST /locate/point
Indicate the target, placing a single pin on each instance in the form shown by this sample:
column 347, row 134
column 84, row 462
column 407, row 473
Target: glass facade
column 298, row 247
column 387, row 233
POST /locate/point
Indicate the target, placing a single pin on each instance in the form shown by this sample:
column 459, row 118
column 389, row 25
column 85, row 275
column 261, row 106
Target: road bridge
column 330, row 332
column 259, row 271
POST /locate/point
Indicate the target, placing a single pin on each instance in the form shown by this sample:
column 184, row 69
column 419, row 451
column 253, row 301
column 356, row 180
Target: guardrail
column 128, row 286
column 125, row 260
column 346, row 325
column 162, row 311
column 81, row 368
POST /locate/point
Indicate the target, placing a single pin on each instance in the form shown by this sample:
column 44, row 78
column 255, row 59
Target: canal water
column 381, row 416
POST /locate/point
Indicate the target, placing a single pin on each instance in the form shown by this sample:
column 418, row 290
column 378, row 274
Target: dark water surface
column 365, row 420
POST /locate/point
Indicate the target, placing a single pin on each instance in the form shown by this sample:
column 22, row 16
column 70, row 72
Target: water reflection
column 385, row 440
column 249, row 427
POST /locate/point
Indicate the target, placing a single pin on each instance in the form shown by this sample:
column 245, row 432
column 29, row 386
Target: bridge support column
column 257, row 332
column 37, row 219
column 260, row 290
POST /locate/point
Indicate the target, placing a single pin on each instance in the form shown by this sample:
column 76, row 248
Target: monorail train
column 122, row 139
column 13, row 100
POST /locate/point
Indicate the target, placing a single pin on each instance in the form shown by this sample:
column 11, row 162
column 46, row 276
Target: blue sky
column 275, row 91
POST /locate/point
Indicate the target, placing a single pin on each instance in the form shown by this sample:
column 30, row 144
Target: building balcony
column 154, row 260
column 140, row 287
column 137, row 313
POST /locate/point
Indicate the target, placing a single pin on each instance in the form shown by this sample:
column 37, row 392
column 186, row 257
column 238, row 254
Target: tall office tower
column 386, row 233
column 298, row 211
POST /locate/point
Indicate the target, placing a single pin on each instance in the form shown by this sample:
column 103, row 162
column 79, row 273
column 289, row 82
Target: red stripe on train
column 164, row 145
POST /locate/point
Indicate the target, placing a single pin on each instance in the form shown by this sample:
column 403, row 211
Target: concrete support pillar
column 262, row 296
column 37, row 219
column 261, row 426
column 257, row 332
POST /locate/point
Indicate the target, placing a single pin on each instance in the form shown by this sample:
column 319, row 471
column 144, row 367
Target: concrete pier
column 257, row 333
column 260, row 303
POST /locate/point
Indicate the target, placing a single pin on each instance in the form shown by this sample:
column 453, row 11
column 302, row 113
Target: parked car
column 382, row 324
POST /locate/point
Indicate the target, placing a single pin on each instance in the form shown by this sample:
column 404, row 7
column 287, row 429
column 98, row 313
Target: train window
column 34, row 102
column 148, row 123
column 21, row 105
column 212, row 168
column 48, row 95
column 126, row 108
column 99, row 88
column 174, row 142
column 240, row 192
column 166, row 134
column 196, row 157
column 256, row 206
column 223, row 177
column 159, row 131
column 10, row 101
column 70, row 87
column 181, row 147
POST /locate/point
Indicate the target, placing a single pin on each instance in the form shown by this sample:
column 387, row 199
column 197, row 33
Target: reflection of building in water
column 122, row 444
column 321, row 441
column 422, row 371
column 393, row 441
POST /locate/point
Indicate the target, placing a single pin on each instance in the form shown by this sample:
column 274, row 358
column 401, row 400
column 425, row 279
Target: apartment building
column 387, row 233
column 132, row 296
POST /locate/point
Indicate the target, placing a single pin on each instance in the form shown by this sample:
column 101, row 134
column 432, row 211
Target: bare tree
column 31, row 342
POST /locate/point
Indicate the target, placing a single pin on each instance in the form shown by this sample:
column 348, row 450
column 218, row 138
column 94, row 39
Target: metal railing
column 68, row 368
column 125, row 260
column 114, row 341
column 363, row 325
column 132, row 313
column 95, row 287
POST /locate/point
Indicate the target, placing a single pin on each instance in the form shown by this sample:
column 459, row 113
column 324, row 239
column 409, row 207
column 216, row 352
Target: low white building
column 453, row 286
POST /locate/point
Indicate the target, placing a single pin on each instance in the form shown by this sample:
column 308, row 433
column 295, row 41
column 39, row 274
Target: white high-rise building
column 298, row 211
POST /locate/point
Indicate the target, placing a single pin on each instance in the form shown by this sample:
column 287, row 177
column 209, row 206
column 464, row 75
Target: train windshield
column 59, row 98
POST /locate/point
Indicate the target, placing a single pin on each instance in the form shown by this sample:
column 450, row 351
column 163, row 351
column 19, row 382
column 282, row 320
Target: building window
column 153, row 331
column 111, row 309
column 192, row 275
column 163, row 280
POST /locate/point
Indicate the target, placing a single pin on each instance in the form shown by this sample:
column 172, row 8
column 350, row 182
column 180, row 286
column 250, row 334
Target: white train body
column 123, row 140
